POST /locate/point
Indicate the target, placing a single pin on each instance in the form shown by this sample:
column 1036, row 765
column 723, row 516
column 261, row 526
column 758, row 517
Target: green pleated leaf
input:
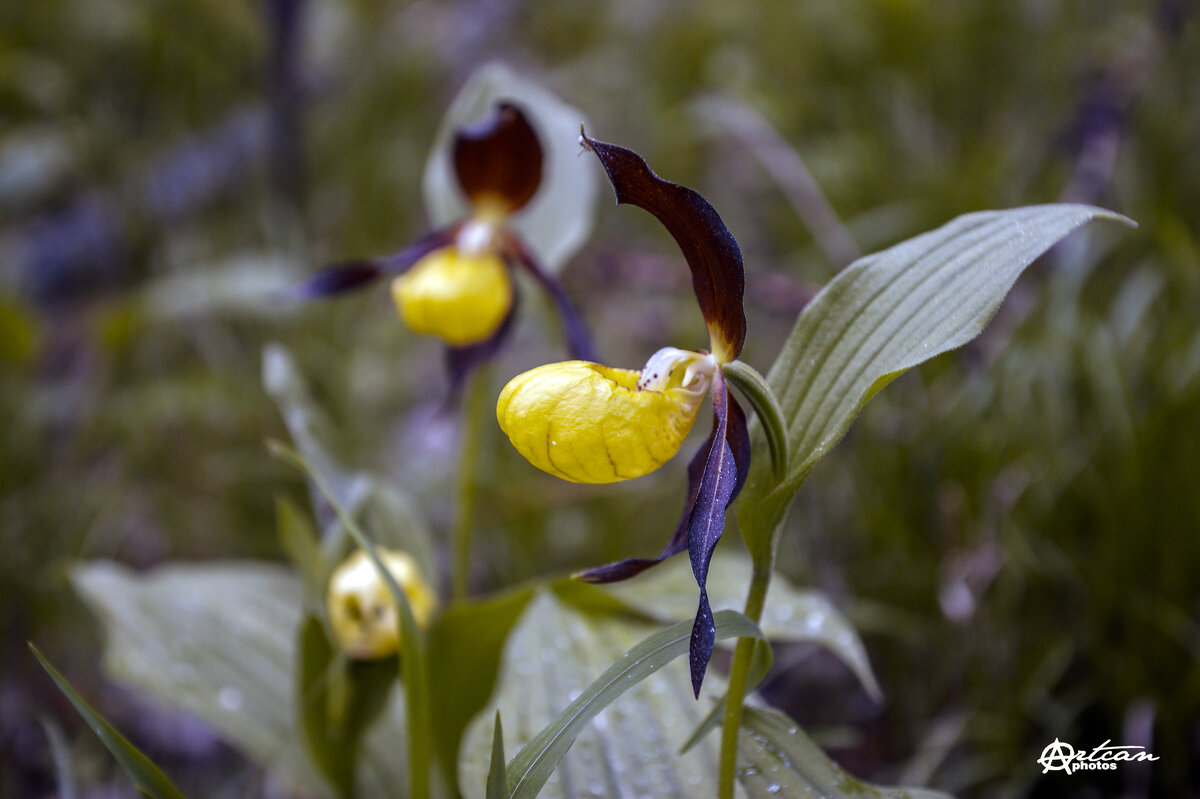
column 465, row 646
column 886, row 313
column 532, row 766
column 146, row 776
column 549, row 694
column 558, row 219
column 219, row 641
column 631, row 748
column 760, row 665
column 776, row 759
column 668, row 593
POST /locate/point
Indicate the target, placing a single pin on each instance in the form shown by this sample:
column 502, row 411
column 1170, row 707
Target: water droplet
column 774, row 788
column 230, row 698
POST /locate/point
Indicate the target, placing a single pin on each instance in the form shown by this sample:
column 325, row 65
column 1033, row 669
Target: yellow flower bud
column 594, row 424
column 361, row 612
column 459, row 296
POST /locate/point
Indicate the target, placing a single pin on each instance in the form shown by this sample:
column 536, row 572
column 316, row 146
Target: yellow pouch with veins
column 460, row 298
column 594, row 424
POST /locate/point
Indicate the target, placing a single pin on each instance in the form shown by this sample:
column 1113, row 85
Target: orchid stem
column 468, row 460
column 738, row 676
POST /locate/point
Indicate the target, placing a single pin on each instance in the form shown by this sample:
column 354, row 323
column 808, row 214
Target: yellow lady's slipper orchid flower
column 590, row 423
column 456, row 283
column 362, row 614
column 594, row 424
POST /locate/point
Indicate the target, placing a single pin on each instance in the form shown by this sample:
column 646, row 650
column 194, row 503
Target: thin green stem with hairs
column 474, row 408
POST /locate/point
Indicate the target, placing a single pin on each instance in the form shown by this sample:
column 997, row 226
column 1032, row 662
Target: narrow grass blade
column 146, row 776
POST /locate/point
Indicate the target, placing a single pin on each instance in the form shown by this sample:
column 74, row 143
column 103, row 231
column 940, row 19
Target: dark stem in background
column 285, row 96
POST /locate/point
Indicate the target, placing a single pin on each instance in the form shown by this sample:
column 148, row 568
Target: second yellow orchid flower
column 457, row 282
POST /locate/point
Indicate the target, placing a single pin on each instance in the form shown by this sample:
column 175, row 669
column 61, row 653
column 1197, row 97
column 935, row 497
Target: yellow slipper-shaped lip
column 590, row 423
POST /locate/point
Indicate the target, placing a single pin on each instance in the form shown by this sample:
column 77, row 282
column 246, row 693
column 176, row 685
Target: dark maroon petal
column 579, row 343
column 709, row 247
column 499, row 159
column 351, row 275
column 337, row 279
column 738, row 437
column 705, row 526
column 624, row 569
column 461, row 361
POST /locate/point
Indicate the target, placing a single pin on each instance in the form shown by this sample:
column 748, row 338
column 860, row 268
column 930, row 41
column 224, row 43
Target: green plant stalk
column 739, row 673
column 468, row 462
column 412, row 643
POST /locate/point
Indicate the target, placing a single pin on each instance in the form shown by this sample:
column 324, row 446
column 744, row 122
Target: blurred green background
column 1013, row 527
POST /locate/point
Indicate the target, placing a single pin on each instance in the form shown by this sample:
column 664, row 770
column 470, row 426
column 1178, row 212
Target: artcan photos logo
column 1060, row 756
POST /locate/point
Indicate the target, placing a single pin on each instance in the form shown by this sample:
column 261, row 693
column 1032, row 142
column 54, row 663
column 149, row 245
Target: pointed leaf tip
column 497, row 781
column 884, row 314
column 146, row 777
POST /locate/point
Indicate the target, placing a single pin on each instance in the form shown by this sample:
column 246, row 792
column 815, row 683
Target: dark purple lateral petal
column 717, row 486
column 461, row 361
column 738, row 437
column 337, row 279
column 351, row 275
column 579, row 343
column 624, row 569
column 499, row 158
column 710, row 249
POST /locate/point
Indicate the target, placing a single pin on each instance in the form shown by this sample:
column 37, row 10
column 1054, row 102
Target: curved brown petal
column 579, row 343
column 347, row 276
column 710, row 249
column 499, row 159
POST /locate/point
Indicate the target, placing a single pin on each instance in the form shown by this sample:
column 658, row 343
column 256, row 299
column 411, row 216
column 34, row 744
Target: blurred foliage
column 1012, row 527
